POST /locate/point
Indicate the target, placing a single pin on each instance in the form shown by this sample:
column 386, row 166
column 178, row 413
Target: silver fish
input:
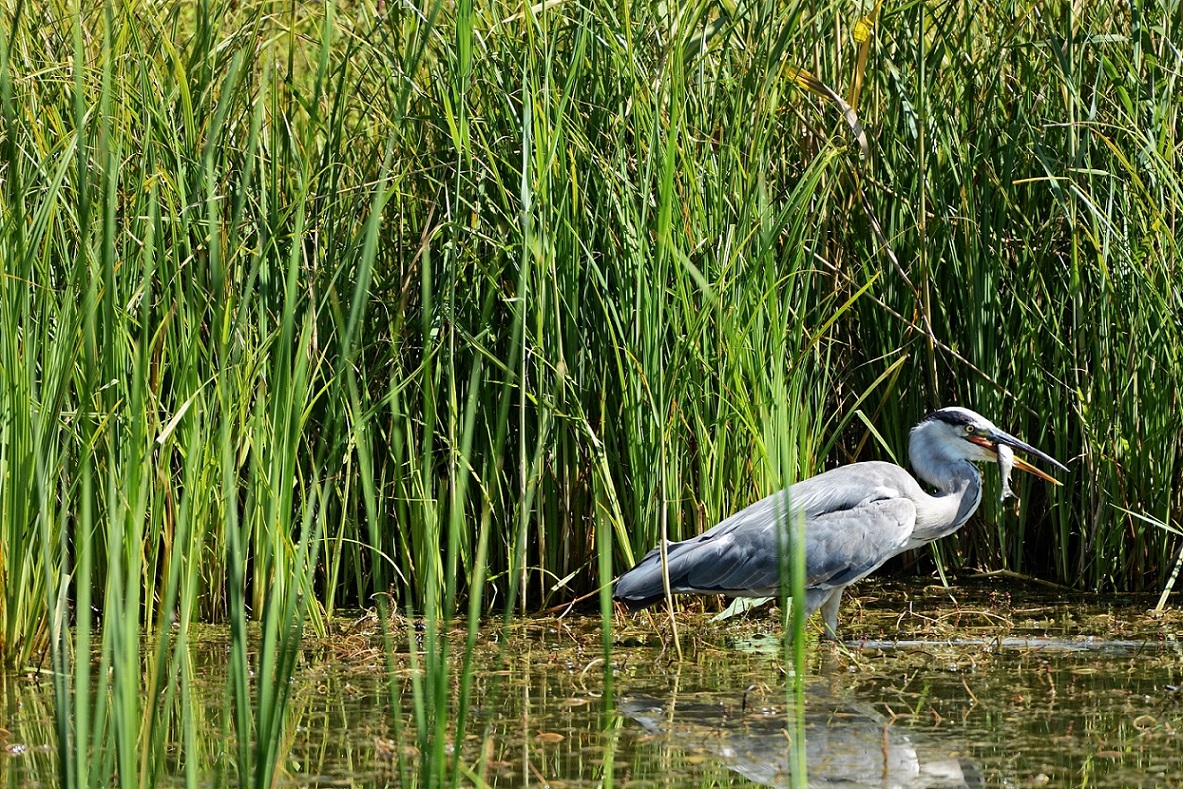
column 1006, row 463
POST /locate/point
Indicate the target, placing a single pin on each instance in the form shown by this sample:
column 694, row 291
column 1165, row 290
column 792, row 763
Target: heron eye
column 970, row 428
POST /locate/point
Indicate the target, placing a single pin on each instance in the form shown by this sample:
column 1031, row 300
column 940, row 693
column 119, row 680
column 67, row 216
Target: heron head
column 960, row 433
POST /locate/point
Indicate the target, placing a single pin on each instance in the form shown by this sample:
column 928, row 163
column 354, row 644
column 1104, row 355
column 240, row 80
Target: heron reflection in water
column 848, row 743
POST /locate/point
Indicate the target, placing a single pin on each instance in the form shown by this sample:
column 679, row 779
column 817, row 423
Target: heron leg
column 829, row 609
column 826, row 601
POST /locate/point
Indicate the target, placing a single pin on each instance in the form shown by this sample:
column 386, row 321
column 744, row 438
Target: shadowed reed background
column 304, row 303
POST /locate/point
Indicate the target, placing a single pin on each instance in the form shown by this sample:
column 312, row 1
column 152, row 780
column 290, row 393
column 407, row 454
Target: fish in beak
column 1006, row 463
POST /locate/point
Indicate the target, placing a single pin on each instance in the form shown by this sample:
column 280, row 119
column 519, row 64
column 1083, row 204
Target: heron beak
column 997, row 437
column 1023, row 465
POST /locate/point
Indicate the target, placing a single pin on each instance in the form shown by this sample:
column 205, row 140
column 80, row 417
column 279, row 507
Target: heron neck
column 959, row 495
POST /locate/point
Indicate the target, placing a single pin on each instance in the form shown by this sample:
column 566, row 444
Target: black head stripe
column 950, row 416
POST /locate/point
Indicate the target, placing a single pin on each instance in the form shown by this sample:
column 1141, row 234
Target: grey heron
column 856, row 517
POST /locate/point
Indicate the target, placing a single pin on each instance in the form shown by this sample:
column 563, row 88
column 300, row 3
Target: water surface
column 975, row 686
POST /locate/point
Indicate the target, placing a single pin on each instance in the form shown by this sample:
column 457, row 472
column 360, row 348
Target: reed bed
column 454, row 309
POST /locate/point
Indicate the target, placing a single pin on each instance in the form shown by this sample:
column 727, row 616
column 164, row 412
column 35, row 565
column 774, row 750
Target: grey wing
column 716, row 561
column 842, row 547
column 739, row 557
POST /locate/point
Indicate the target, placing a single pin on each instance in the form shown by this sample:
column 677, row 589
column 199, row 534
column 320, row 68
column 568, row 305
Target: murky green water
column 977, row 687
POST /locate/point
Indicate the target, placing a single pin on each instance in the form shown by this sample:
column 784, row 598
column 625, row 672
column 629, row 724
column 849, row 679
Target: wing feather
column 853, row 524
